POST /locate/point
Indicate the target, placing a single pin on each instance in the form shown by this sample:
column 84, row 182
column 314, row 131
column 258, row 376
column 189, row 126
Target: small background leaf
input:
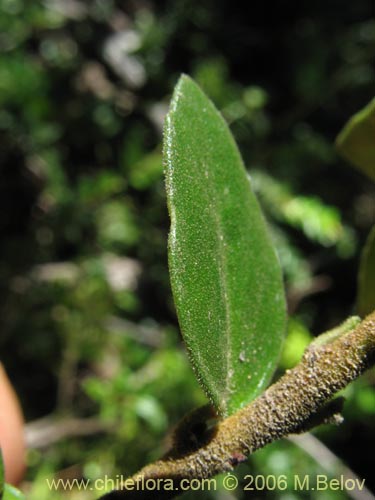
column 225, row 275
column 1, row 475
column 356, row 142
column 11, row 493
column 366, row 277
column 7, row 491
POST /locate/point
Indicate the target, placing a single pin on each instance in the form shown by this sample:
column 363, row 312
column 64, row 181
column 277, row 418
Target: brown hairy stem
column 284, row 408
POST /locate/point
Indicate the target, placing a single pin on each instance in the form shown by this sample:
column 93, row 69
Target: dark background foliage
column 88, row 326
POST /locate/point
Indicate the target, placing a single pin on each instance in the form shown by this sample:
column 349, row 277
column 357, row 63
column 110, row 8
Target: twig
column 285, row 408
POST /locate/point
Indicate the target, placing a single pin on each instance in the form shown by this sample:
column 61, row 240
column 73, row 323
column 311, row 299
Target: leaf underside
column 356, row 141
column 225, row 275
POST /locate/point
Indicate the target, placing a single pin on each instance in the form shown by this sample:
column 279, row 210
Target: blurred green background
column 88, row 333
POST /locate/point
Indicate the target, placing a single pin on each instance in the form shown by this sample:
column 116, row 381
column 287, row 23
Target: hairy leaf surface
column 225, row 275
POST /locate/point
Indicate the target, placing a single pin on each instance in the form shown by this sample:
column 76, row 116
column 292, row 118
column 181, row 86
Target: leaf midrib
column 224, row 296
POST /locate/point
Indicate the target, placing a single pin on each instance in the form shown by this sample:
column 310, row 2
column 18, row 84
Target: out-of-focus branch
column 51, row 429
column 331, row 463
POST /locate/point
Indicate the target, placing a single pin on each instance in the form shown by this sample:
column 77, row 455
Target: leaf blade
column 225, row 276
column 12, row 493
column 2, row 475
column 366, row 277
column 7, row 491
column 356, row 141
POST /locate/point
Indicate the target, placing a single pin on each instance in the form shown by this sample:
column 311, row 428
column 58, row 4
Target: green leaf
column 356, row 142
column 1, row 475
column 11, row 493
column 366, row 277
column 7, row 492
column 225, row 276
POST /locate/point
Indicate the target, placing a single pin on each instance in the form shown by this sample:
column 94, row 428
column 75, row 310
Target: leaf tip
column 182, row 82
